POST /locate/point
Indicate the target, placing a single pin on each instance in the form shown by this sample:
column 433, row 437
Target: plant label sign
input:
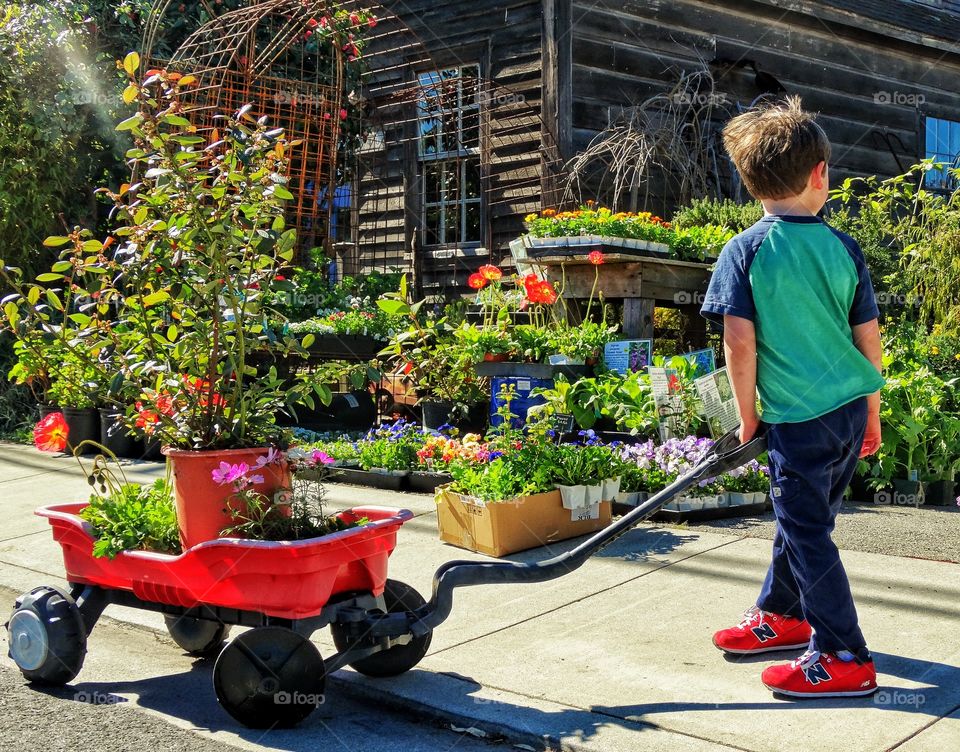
column 562, row 423
column 628, row 356
column 719, row 404
column 665, row 384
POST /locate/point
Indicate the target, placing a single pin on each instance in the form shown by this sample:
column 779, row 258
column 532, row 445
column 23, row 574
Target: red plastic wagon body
column 289, row 579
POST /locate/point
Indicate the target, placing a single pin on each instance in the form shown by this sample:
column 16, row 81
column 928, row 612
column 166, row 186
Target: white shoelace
column 749, row 616
column 806, row 660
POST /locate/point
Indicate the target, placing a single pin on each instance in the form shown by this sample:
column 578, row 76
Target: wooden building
column 883, row 74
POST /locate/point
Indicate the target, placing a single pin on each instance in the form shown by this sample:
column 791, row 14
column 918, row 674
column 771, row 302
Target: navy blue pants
column 811, row 465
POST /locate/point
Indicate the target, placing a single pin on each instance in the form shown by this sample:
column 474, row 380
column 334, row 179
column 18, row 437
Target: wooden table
column 641, row 282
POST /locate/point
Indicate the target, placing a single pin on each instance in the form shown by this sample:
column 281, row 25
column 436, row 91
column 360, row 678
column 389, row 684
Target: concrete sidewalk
column 614, row 656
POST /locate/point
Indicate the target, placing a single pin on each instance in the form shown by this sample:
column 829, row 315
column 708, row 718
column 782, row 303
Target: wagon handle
column 727, row 454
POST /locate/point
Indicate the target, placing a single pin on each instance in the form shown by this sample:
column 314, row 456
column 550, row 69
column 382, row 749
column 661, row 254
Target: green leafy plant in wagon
column 133, row 517
column 176, row 296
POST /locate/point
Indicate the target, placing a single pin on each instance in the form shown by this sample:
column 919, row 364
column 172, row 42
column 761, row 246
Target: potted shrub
column 180, row 292
column 441, row 373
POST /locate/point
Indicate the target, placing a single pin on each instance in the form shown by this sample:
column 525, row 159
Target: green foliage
column 133, row 517
column 867, row 224
column 919, row 408
column 626, row 400
column 171, row 315
column 388, row 454
column 900, row 218
column 725, row 213
column 57, row 99
column 424, row 349
column 574, row 465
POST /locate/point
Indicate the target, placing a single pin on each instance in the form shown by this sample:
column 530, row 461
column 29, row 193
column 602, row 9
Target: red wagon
column 269, row 675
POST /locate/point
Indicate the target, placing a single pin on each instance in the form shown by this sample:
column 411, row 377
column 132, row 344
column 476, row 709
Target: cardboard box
column 505, row 527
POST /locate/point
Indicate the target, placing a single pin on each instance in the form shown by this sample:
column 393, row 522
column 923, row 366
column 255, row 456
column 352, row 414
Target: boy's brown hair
column 774, row 148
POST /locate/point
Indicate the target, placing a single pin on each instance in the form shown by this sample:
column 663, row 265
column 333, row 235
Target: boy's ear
column 818, row 175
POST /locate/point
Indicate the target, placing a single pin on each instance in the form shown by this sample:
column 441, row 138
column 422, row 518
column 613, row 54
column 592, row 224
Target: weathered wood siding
column 504, row 38
column 863, row 70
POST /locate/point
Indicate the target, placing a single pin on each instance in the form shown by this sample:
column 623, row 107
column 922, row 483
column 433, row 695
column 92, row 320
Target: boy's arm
column 740, row 347
column 866, row 337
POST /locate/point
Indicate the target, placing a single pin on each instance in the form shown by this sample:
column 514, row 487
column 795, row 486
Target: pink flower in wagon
column 272, row 456
column 321, row 458
column 228, row 473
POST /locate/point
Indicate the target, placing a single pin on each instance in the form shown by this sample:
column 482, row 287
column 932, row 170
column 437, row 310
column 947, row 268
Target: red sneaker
column 822, row 675
column 761, row 632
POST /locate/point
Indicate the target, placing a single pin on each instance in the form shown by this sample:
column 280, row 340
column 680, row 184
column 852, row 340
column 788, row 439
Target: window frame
column 946, row 183
column 462, row 157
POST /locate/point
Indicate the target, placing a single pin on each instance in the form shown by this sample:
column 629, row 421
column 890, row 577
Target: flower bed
column 593, row 226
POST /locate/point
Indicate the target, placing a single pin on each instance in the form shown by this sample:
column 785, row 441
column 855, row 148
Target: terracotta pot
column 202, row 512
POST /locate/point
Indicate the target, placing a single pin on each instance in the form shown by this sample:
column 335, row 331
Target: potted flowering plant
column 175, row 296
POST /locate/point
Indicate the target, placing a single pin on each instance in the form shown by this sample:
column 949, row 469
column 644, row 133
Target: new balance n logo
column 817, row 673
column 764, row 632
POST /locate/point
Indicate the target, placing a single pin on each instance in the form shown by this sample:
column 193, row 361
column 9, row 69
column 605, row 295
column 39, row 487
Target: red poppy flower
column 490, row 272
column 477, row 281
column 50, row 434
column 595, row 257
column 547, row 294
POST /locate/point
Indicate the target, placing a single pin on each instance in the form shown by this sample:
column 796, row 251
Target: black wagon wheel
column 269, row 677
column 47, row 638
column 200, row 637
column 399, row 597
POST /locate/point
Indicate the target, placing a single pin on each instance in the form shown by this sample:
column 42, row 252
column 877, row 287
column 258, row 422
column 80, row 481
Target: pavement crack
column 923, row 728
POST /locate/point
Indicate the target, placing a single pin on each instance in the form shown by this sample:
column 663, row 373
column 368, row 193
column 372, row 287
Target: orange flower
column 595, row 257
column 50, row 434
column 549, row 212
column 477, row 281
column 490, row 272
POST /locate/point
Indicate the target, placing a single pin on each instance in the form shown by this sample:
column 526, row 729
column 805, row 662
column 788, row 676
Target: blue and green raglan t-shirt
column 805, row 286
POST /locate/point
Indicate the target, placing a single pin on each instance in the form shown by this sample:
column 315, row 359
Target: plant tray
column 287, row 579
column 531, row 370
column 705, row 515
column 353, row 347
column 368, row 478
column 424, row 482
column 574, row 248
column 501, row 528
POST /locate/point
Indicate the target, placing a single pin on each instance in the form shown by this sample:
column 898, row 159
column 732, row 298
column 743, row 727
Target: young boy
column 800, row 324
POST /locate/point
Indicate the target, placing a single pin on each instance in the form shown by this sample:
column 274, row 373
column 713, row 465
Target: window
column 943, row 145
column 449, row 149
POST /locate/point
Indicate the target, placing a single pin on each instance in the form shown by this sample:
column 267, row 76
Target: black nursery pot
column 83, row 424
column 48, row 409
column 436, row 414
column 114, row 436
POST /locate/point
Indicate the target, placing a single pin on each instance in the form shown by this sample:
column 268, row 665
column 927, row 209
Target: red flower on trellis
column 477, row 281
column 50, row 434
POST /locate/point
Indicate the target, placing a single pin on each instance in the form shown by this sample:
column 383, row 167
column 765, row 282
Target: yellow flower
column 935, row 350
column 530, row 218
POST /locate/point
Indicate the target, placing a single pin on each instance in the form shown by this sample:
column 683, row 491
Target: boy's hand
column 872, row 437
column 748, row 427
